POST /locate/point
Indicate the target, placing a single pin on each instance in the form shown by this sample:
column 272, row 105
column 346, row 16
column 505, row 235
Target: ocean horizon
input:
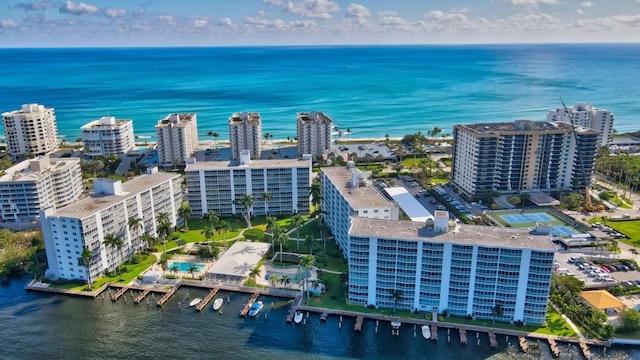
column 371, row 90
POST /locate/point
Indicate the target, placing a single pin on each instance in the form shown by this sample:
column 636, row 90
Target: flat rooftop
column 491, row 236
column 176, row 119
column 249, row 117
column 361, row 197
column 408, row 203
column 253, row 164
column 238, row 261
column 519, row 126
column 93, row 204
column 27, row 170
column 313, row 116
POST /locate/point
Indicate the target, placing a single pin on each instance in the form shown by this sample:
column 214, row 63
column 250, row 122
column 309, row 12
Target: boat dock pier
column 463, row 336
column 492, row 339
column 555, row 350
column 523, row 344
column 141, row 297
column 207, row 299
column 324, row 315
column 359, row 321
column 169, row 293
column 434, row 332
column 247, row 306
column 585, row 349
column 119, row 293
column 294, row 308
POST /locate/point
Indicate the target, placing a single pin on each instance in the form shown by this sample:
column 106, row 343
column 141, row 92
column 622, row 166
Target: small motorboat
column 217, row 304
column 255, row 308
column 426, row 331
column 298, row 317
column 195, row 302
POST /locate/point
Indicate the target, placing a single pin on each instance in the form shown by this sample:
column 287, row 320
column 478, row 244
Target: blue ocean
column 371, row 90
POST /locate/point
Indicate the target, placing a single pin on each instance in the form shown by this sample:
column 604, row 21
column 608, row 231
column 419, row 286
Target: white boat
column 195, row 302
column 217, row 304
column 426, row 331
column 255, row 308
column 298, row 317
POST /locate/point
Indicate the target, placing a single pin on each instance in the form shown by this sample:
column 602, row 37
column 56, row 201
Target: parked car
column 572, row 260
column 605, row 269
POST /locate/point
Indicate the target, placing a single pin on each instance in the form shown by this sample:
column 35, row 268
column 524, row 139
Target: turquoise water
column 372, row 90
column 184, row 266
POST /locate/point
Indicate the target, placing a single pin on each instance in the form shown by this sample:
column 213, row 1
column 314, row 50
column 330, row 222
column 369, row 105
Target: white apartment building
column 245, row 133
column 177, row 136
column 522, row 155
column 588, row 116
column 30, row 130
column 85, row 223
column 33, row 185
column 108, row 136
column 314, row 133
column 347, row 193
column 441, row 265
column 219, row 186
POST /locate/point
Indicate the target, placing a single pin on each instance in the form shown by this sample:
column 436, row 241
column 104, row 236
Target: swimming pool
column 184, row 266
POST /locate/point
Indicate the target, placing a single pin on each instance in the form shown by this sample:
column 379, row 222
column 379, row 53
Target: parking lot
column 590, row 274
column 361, row 150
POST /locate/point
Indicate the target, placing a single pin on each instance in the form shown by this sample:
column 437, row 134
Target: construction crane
column 588, row 206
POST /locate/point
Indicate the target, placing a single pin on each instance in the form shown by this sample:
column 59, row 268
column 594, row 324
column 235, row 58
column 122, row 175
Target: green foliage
column 630, row 319
column 16, row 248
column 254, row 234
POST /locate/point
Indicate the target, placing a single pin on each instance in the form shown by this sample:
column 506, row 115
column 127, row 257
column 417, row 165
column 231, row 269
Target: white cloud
column 449, row 22
column 533, row 2
column 358, row 13
column 579, row 12
column 587, row 4
column 115, row 13
column 320, row 9
column 168, row 19
column 6, row 23
column 78, row 8
column 200, row 23
column 260, row 23
column 34, row 6
column 460, row 10
column 226, row 22
column 262, row 13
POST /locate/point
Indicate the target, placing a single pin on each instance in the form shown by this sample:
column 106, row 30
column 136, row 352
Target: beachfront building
column 442, row 266
column 107, row 136
column 30, row 130
column 522, row 156
column 346, row 193
column 588, row 116
column 220, row 186
column 314, row 133
column 177, row 136
column 33, row 185
column 85, row 223
column 245, row 133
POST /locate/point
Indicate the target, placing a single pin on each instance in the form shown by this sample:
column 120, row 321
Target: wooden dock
column 207, row 299
column 585, row 349
column 142, row 295
column 359, row 321
column 119, row 293
column 492, row 339
column 168, row 294
column 555, row 350
column 294, row 308
column 247, row 306
column 434, row 332
column 463, row 336
column 523, row 343
column 324, row 315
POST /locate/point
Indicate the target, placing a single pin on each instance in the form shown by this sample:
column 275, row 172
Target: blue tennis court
column 528, row 218
column 562, row 231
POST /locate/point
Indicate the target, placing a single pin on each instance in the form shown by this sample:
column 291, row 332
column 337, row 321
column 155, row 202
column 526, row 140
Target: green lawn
column 133, row 271
column 556, row 325
column 410, row 162
column 630, row 228
column 446, row 161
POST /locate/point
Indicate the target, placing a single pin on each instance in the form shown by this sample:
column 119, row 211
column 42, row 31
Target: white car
column 572, row 260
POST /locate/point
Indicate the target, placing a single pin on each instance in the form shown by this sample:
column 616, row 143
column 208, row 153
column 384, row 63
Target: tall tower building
column 314, row 133
column 177, row 138
column 30, row 130
column 108, row 136
column 589, row 116
column 245, row 132
column 523, row 155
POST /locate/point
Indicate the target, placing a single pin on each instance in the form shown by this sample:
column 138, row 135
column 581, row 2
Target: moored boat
column 195, row 302
column 217, row 304
column 255, row 308
column 298, row 317
column 426, row 331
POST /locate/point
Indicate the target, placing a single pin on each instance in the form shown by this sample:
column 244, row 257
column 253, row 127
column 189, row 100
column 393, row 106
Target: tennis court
column 535, row 217
column 562, row 231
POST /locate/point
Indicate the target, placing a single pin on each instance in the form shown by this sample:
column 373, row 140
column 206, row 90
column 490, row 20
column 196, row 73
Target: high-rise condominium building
column 108, row 136
column 588, row 116
column 86, row 223
column 245, row 133
column 347, row 192
column 30, row 130
column 220, row 186
column 441, row 265
column 314, row 133
column 522, row 156
column 177, row 139
column 33, row 185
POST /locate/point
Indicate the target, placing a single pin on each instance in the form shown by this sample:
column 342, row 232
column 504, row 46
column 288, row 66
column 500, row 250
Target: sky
column 132, row 23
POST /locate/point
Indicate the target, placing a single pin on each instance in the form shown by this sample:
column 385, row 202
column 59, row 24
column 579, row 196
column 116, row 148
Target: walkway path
column 569, row 322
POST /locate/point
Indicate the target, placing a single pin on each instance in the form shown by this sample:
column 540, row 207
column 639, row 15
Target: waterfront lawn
column 133, row 270
column 631, row 228
column 556, row 325
column 489, row 323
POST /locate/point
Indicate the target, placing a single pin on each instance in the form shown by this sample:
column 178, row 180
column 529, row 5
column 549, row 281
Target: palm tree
column 85, row 260
column 305, row 264
column 136, row 223
column 185, row 212
column 247, row 203
column 285, row 280
column 266, row 197
column 215, row 137
column 164, row 230
column 274, row 278
column 297, row 220
column 164, row 262
column 396, row 296
column 497, row 311
column 266, row 137
column 254, row 273
column 309, row 242
column 175, row 269
column 192, row 269
column 280, row 236
column 348, row 132
column 223, row 227
column 316, row 192
column 116, row 243
column 208, row 233
column 307, row 261
column 271, row 223
column 212, row 217
column 148, row 239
